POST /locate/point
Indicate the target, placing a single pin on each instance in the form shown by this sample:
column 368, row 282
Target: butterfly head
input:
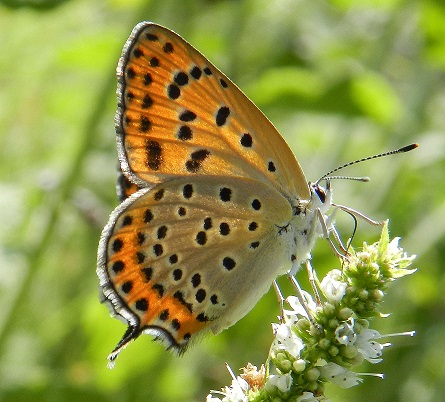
column 320, row 199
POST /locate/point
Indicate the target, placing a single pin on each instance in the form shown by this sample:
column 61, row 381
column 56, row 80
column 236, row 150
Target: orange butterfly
column 217, row 204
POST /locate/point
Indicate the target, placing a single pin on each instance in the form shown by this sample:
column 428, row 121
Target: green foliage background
column 341, row 79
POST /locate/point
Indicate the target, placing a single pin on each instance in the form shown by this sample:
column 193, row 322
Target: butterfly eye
column 320, row 192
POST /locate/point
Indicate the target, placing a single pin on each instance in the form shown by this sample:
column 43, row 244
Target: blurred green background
column 341, row 79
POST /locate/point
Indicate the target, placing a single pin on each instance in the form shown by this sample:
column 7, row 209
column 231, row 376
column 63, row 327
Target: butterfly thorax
column 306, row 224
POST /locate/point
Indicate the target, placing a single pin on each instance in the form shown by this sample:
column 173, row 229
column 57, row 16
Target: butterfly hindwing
column 192, row 254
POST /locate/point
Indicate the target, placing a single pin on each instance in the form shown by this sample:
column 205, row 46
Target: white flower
column 286, row 339
column 237, row 392
column 371, row 350
column 339, row 375
column 363, row 341
column 345, row 334
column 282, row 382
column 297, row 308
column 332, row 285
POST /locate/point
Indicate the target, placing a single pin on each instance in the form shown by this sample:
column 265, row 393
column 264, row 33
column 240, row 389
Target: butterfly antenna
column 406, row 148
column 363, row 179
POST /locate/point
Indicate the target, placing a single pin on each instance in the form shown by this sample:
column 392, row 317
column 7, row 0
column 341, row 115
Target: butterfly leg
column 354, row 214
column 328, row 227
column 280, row 300
column 313, row 280
column 329, row 223
column 358, row 214
column 341, row 246
column 302, row 301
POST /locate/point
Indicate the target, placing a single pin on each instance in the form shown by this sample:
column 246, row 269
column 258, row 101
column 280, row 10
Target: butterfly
column 214, row 205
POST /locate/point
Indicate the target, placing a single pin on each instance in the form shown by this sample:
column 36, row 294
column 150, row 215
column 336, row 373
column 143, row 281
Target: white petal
column 339, row 375
column 296, row 306
column 211, row 398
column 307, row 397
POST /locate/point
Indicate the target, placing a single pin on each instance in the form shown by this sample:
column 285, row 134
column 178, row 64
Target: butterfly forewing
column 192, row 253
column 179, row 115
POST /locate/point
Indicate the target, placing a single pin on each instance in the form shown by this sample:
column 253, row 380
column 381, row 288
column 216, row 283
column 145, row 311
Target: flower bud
column 344, row 313
column 299, row 365
column 312, row 374
column 324, row 343
column 348, row 351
